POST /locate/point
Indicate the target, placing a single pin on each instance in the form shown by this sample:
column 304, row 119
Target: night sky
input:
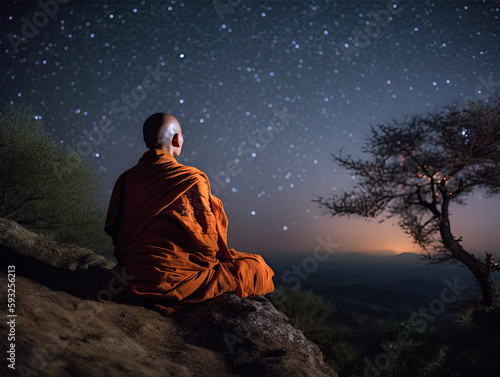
column 265, row 92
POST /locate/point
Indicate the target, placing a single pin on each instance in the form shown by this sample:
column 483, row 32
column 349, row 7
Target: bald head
column 163, row 131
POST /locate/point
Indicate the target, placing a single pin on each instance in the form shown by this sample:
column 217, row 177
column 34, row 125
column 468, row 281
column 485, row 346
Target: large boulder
column 62, row 330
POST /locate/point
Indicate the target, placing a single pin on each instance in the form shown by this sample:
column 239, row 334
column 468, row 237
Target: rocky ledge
column 62, row 330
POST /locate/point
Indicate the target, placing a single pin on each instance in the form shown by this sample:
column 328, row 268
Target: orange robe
column 170, row 233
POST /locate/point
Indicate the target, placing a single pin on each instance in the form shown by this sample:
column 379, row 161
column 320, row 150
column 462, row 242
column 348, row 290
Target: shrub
column 44, row 188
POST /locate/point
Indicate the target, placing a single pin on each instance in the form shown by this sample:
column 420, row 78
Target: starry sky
column 265, row 92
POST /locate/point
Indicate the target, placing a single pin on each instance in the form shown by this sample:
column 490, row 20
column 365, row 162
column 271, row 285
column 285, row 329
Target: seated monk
column 170, row 232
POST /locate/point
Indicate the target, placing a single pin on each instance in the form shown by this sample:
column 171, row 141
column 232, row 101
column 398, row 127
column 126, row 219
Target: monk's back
column 170, row 234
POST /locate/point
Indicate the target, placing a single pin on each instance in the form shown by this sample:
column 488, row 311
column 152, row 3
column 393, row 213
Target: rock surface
column 61, row 330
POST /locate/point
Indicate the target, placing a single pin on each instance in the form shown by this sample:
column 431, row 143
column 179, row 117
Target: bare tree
column 419, row 167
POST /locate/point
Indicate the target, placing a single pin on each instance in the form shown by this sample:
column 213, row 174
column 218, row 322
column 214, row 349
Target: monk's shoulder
column 198, row 180
column 201, row 180
column 196, row 173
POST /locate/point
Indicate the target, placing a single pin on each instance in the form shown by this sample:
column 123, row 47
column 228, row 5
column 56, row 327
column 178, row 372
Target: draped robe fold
column 170, row 237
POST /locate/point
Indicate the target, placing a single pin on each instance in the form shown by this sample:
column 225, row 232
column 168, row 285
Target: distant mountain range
column 401, row 282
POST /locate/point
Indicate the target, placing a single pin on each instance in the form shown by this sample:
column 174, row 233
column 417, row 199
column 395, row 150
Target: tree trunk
column 479, row 269
column 488, row 288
